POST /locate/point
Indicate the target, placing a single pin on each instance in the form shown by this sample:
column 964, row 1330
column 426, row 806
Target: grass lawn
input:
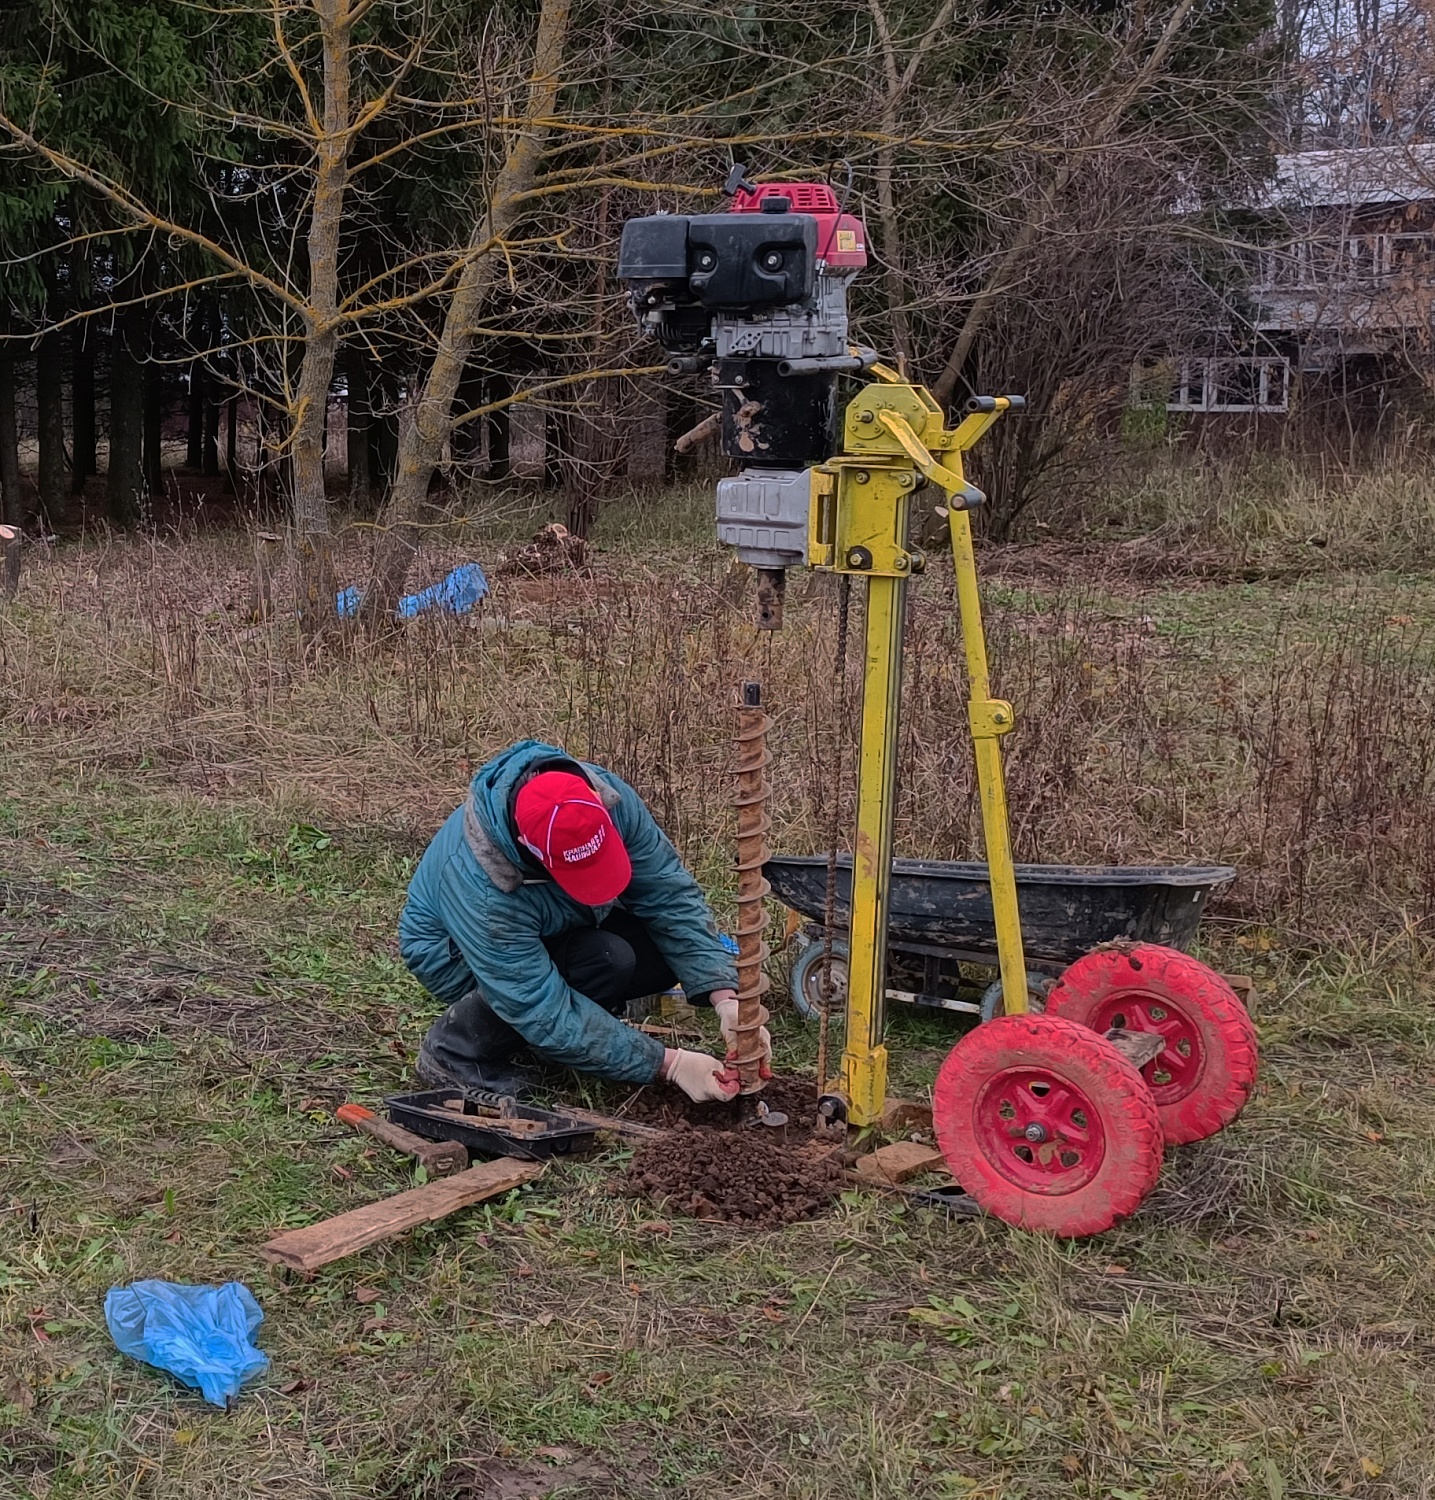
column 202, row 858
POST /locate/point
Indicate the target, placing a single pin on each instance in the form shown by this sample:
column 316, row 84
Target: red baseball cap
column 562, row 821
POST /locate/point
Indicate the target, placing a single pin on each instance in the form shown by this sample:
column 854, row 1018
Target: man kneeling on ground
column 547, row 901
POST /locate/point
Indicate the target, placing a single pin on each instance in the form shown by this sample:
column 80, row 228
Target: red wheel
column 1204, row 1077
column 1047, row 1125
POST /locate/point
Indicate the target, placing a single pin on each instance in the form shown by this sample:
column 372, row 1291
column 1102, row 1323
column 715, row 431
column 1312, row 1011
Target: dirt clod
column 746, row 1176
column 663, row 1106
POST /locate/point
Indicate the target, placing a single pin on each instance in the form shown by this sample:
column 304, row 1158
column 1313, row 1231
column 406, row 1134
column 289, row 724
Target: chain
column 834, row 828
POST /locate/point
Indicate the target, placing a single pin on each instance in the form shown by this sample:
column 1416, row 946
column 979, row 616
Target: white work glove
column 699, row 1076
column 724, row 1002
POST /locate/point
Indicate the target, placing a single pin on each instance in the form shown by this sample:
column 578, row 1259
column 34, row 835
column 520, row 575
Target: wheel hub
column 1040, row 1131
column 1177, row 1069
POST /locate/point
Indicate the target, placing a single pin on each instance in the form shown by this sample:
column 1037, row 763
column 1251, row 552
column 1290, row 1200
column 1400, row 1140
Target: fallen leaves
column 17, row 1392
column 1256, row 942
column 367, row 1294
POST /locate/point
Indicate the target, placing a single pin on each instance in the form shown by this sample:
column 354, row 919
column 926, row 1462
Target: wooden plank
column 899, row 1161
column 1140, row 1047
column 1243, row 985
column 317, row 1244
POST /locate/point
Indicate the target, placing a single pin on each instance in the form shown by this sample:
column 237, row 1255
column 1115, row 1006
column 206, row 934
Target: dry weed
column 1301, row 751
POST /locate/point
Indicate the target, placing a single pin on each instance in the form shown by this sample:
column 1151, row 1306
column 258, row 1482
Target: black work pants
column 612, row 963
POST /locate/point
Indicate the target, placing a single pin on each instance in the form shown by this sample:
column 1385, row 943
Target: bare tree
column 427, row 422
column 1102, row 118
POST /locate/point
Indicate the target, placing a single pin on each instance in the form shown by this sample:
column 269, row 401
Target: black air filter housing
column 731, row 263
column 654, row 249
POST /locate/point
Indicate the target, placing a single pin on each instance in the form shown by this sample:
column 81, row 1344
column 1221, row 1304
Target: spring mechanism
column 754, row 792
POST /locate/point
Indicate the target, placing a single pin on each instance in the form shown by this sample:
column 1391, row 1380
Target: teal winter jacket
column 478, row 912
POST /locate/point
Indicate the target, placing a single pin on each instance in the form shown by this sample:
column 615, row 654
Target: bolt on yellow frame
column 893, row 438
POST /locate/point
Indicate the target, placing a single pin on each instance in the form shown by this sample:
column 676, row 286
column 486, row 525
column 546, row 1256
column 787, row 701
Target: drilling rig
column 1050, row 1120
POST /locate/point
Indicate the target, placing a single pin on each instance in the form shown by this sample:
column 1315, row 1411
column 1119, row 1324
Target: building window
column 1231, row 383
column 1344, row 261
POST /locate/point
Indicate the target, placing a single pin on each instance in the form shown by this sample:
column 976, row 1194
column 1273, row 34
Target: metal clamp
column 991, row 718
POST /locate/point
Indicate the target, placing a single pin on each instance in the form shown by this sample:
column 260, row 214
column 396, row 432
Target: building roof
column 1349, row 177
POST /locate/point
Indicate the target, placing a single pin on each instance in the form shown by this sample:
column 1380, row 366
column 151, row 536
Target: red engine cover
column 841, row 238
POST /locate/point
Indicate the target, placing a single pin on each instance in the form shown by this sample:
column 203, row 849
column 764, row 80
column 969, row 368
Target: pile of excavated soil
column 661, row 1105
column 746, row 1176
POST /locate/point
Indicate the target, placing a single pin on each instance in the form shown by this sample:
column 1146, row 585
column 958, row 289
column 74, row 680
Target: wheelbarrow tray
column 1066, row 910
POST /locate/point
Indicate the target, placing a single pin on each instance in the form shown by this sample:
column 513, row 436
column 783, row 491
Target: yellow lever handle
column 912, row 445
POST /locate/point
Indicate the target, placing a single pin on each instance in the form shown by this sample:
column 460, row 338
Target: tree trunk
column 209, row 449
column 500, row 465
column 153, row 422
column 313, row 538
column 12, row 500
column 125, row 478
column 427, row 422
column 194, row 430
column 557, row 447
column 899, row 82
column 383, row 449
column 361, row 475
column 466, row 442
column 591, row 455
column 896, row 286
column 82, row 408
column 231, row 442
column 50, row 404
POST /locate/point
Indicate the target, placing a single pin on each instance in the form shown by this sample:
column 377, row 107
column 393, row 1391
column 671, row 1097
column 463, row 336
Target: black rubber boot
column 470, row 1048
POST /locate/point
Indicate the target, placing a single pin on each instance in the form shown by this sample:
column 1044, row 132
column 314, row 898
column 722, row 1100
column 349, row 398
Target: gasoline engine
column 759, row 296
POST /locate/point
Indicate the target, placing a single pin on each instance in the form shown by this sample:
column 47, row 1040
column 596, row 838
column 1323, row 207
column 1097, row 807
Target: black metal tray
column 1066, row 910
column 490, row 1126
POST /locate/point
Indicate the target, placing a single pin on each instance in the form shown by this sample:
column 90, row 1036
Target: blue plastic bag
column 457, row 594
column 199, row 1333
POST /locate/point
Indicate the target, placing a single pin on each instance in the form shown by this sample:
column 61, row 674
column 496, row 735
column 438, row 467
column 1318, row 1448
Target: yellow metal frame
column 894, row 438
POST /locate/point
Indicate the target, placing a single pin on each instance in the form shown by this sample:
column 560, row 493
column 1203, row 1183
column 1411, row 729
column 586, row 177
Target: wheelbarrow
column 1105, row 949
column 940, row 918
